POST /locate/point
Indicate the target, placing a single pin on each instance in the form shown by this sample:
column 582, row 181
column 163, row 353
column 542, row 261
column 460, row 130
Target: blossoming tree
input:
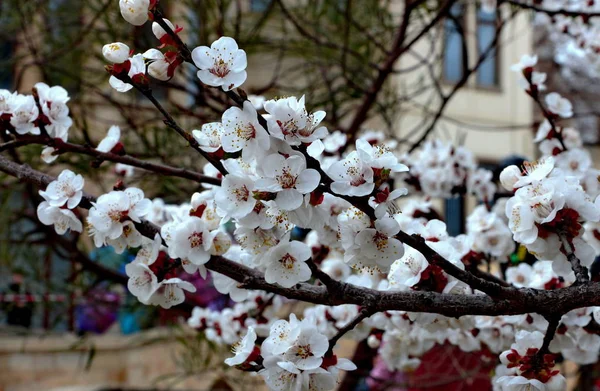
column 372, row 270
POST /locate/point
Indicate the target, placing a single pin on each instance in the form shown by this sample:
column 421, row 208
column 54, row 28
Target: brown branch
column 40, row 121
column 488, row 276
column 561, row 11
column 553, row 322
column 581, row 272
column 364, row 313
column 557, row 301
column 171, row 123
column 491, row 288
column 398, row 48
column 465, row 77
column 62, row 147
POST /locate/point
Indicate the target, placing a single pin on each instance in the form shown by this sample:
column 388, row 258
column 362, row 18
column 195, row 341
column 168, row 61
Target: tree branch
column 364, row 313
column 171, row 123
column 557, row 301
column 560, row 11
column 581, row 272
column 62, row 146
column 548, row 337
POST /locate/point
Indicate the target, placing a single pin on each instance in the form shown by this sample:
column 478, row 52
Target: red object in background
column 447, row 368
column 443, row 368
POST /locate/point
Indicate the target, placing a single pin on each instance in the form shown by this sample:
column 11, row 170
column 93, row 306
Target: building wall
column 144, row 361
column 496, row 122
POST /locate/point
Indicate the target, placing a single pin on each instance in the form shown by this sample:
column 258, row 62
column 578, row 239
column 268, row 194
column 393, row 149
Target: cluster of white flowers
column 574, row 38
column 294, row 355
column 519, row 369
column 284, row 170
column 60, row 197
column 111, row 218
column 258, row 312
column 490, row 233
column 441, row 170
column 547, row 212
column 21, row 114
column 553, row 197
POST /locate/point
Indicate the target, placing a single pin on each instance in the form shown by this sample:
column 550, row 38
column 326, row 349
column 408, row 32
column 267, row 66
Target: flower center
column 287, row 261
column 288, row 127
column 543, row 209
column 116, row 215
column 220, row 68
column 357, row 177
column 304, row 352
column 380, row 240
column 241, row 193
column 574, row 165
column 286, row 179
column 67, row 189
column 142, row 280
column 246, row 132
column 196, row 239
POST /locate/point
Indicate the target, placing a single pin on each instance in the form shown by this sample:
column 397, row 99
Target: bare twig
column 553, row 322
column 581, row 272
column 554, row 12
column 364, row 313
column 62, row 147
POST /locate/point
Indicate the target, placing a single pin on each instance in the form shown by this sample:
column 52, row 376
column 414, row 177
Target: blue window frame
column 453, row 44
column 455, row 215
column 487, row 74
column 259, row 5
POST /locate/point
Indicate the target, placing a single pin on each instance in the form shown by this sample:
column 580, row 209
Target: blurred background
column 65, row 315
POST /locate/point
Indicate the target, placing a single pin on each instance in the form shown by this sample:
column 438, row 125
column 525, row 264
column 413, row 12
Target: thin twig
column 62, row 147
column 581, row 272
column 548, row 337
column 364, row 313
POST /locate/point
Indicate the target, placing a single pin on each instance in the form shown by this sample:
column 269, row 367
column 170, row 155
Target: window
column 63, row 25
column 259, row 5
column 487, row 74
column 453, row 44
column 455, row 215
column 6, row 65
column 6, row 48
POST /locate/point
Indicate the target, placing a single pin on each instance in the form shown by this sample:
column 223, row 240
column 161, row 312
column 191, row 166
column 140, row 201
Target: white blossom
column 135, row 11
column 286, row 264
column 66, row 189
column 222, row 65
column 242, row 131
column 116, row 52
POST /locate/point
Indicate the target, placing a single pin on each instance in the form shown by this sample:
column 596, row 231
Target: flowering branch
column 581, row 272
column 62, row 146
column 553, row 322
column 553, row 12
column 364, row 313
column 522, row 301
column 171, row 123
column 276, row 175
column 361, row 203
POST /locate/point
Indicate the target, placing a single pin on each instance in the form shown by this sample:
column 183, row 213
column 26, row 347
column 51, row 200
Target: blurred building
column 491, row 114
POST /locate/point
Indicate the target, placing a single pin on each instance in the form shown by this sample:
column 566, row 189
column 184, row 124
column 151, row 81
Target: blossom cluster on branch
column 273, row 167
